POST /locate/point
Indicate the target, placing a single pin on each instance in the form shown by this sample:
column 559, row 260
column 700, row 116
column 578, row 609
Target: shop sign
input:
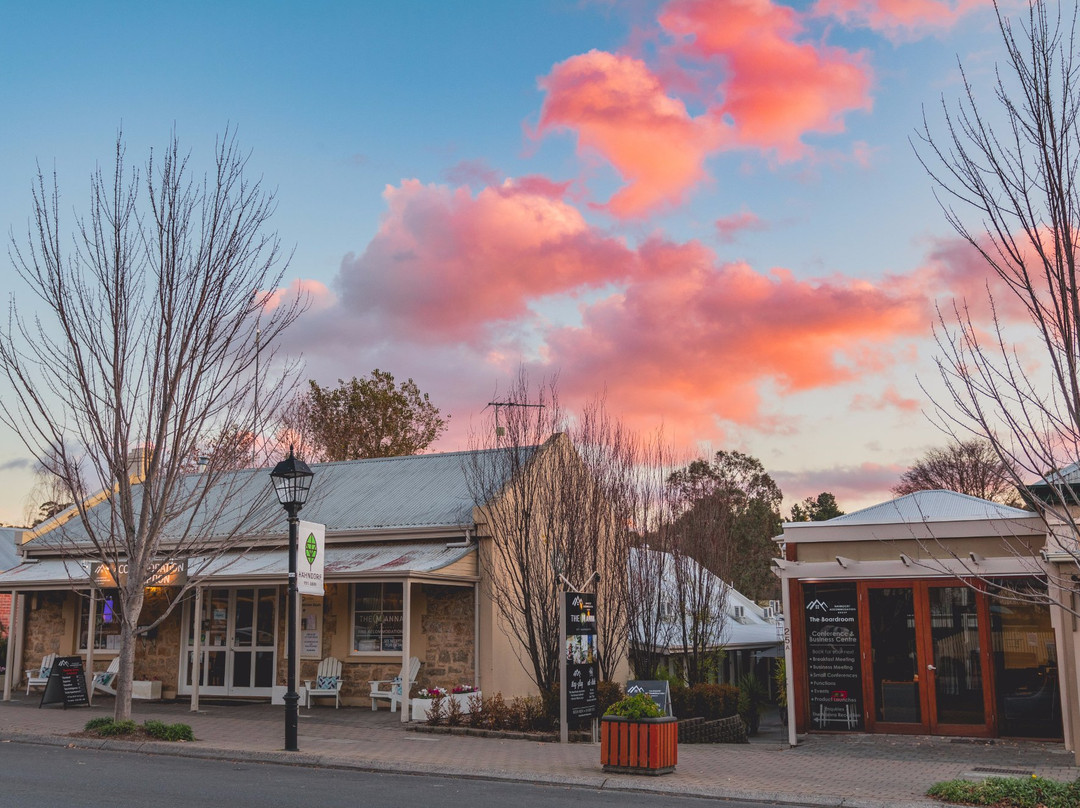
column 581, row 666
column 66, row 683
column 310, row 563
column 658, row 690
column 833, row 667
column 113, row 576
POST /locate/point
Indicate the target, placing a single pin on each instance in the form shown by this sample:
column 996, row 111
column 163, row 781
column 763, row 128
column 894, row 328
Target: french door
column 238, row 642
column 927, row 660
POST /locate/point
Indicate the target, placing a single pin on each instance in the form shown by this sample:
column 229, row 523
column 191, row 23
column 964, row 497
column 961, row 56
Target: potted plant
column 751, row 697
column 780, row 679
column 636, row 738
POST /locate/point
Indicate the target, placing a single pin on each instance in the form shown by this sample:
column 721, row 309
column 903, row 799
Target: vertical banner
column 834, row 672
column 581, row 672
column 309, row 561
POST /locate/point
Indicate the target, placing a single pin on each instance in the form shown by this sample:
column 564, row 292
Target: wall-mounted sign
column 833, row 668
column 310, row 559
column 582, row 670
column 164, row 573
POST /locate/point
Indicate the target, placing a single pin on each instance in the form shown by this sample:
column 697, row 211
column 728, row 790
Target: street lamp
column 292, row 481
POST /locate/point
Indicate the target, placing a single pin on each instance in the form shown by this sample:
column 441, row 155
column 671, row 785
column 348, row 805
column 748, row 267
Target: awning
column 392, row 559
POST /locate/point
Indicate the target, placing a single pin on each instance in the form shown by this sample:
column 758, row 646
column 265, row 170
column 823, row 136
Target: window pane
column 377, row 617
column 1025, row 664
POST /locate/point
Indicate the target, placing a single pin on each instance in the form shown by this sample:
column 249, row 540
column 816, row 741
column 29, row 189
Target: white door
column 238, row 642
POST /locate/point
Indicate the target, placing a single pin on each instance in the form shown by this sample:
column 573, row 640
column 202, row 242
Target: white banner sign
column 309, row 559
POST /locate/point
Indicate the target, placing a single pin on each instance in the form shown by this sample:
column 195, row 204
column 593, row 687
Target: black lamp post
column 292, row 481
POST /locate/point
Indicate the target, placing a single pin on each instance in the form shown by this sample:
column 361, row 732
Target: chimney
column 138, row 460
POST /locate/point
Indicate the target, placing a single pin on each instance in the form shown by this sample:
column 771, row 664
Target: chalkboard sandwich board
column 66, row 684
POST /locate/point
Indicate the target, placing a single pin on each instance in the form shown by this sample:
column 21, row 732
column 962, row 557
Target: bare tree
column 554, row 495
column 527, row 549
column 969, row 467
column 649, row 602
column 142, row 348
column 1006, row 177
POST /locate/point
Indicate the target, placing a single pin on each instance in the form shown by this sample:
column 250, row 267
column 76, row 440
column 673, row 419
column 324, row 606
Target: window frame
column 383, row 584
column 83, row 622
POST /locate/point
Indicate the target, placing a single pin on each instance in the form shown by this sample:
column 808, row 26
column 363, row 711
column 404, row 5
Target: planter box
column 640, row 745
column 421, row 707
column 146, row 690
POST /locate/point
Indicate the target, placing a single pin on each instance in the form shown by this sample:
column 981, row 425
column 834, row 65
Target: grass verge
column 158, row 730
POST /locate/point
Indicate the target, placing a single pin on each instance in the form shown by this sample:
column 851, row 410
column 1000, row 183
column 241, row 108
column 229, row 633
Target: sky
column 710, row 211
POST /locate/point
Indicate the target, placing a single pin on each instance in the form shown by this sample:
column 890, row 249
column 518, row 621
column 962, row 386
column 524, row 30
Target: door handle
column 931, row 668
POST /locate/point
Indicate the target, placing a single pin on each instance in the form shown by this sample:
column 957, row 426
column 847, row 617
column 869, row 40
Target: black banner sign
column 66, row 684
column 832, row 656
column 582, row 670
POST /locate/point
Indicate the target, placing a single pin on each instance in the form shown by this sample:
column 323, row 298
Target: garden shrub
column 682, row 703
column 714, row 701
column 169, row 732
column 453, row 713
column 437, row 711
column 95, row 724
column 1009, row 792
column 607, row 693
column 118, row 728
column 640, row 705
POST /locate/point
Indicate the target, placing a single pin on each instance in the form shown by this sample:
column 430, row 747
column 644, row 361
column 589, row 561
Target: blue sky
column 450, row 126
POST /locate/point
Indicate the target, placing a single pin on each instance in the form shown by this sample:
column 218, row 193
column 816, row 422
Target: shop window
column 1025, row 660
column 107, row 630
column 378, row 618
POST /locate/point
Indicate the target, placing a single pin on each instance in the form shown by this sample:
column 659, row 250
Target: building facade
column 936, row 613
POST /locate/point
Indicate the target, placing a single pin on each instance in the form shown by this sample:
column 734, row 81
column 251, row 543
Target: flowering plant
column 464, row 689
column 432, row 692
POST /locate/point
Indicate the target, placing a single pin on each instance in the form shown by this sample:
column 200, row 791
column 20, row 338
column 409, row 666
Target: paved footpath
column 860, row 771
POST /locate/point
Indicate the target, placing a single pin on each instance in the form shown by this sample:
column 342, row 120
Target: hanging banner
column 309, row 561
column 581, row 672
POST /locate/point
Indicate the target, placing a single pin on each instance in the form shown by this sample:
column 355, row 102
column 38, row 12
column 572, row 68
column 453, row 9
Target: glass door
column 237, row 642
column 253, row 640
column 896, row 685
column 927, row 646
column 955, row 662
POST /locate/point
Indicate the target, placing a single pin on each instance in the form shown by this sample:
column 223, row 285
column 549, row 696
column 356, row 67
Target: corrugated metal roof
column 8, row 555
column 924, row 506
column 393, row 558
column 392, row 493
column 752, row 630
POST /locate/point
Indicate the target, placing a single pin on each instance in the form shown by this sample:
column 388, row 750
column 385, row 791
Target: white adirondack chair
column 391, row 688
column 327, row 682
column 40, row 677
column 105, row 680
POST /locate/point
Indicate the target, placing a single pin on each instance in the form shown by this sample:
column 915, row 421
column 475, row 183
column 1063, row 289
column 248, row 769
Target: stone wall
column 47, row 629
column 448, row 627
column 157, row 655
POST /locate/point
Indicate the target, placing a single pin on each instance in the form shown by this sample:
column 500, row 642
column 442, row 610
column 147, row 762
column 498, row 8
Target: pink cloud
column 889, row 399
column 316, row 293
column 778, row 88
column 855, row 487
column 763, row 86
column 447, row 264
column 899, row 19
column 692, row 342
column 729, row 227
column 620, row 110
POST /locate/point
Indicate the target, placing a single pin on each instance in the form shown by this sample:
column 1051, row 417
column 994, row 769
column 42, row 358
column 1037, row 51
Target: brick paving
column 867, row 771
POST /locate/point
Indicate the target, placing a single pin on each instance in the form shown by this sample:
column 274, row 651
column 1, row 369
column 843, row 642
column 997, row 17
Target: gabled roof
column 926, row 506
column 413, row 493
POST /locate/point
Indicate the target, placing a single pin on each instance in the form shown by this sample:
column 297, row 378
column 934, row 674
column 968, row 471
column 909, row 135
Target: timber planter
column 639, row 745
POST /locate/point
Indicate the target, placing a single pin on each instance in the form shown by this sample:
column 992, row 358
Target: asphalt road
column 33, row 776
